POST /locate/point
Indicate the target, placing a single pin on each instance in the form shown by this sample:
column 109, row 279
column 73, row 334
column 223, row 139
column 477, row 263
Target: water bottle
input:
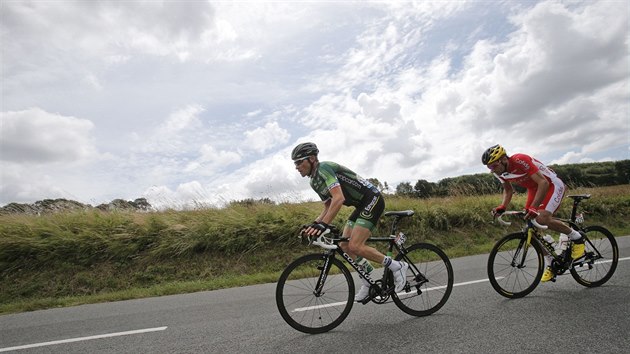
column 550, row 240
column 563, row 242
column 364, row 264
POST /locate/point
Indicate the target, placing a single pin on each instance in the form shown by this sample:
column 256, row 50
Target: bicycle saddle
column 399, row 213
column 580, row 196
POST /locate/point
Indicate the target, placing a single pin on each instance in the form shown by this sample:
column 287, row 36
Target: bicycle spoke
column 305, row 309
column 512, row 272
column 427, row 262
column 600, row 260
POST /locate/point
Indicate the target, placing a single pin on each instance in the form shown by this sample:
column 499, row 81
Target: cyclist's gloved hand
column 303, row 232
column 498, row 210
column 317, row 228
column 531, row 213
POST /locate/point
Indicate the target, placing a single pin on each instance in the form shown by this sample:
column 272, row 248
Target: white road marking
column 156, row 329
column 70, row 340
column 301, row 309
column 620, row 259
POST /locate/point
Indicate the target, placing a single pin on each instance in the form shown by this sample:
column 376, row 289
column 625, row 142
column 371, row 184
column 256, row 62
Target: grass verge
column 79, row 258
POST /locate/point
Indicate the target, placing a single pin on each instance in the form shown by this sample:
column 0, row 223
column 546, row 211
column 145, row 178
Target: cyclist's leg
column 365, row 223
column 347, row 232
column 364, row 291
column 357, row 245
column 364, row 220
column 548, row 207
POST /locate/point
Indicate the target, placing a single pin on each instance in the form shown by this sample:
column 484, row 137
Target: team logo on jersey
column 558, row 197
column 523, row 163
column 366, row 213
column 369, row 207
column 349, row 181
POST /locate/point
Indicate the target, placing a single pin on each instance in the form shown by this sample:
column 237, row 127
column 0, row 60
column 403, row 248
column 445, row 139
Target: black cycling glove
column 320, row 227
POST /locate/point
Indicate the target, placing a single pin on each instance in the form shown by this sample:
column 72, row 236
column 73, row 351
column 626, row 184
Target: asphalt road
column 561, row 317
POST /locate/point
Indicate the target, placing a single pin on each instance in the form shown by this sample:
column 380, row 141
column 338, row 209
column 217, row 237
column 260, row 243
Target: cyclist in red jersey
column 545, row 192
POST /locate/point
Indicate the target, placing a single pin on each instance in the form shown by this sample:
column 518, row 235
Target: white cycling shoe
column 362, row 294
column 400, row 276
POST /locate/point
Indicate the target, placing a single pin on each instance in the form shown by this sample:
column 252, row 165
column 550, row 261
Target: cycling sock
column 394, row 265
column 574, row 235
column 548, row 261
column 387, row 261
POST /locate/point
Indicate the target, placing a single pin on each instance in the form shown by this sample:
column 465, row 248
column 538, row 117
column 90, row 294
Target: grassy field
column 85, row 257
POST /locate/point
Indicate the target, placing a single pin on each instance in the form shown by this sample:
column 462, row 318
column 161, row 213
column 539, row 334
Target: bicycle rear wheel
column 429, row 280
column 515, row 269
column 305, row 308
column 600, row 259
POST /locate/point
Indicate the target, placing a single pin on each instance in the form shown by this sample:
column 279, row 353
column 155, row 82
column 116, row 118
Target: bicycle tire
column 296, row 299
column 596, row 271
column 509, row 278
column 431, row 265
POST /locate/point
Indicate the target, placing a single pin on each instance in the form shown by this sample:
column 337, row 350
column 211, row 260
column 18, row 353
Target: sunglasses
column 494, row 165
column 299, row 161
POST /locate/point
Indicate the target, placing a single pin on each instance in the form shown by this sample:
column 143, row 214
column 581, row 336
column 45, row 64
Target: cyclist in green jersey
column 337, row 185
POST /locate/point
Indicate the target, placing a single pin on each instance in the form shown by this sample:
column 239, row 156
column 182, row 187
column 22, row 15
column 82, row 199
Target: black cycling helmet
column 304, row 150
column 493, row 153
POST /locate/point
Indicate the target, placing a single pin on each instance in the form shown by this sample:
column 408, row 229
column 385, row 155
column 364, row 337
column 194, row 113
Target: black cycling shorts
column 368, row 213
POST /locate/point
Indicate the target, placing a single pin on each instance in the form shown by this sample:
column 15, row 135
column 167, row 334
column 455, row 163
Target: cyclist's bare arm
column 541, row 191
column 508, row 191
column 333, row 205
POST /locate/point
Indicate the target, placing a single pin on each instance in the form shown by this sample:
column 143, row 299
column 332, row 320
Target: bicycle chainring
column 376, row 293
column 558, row 267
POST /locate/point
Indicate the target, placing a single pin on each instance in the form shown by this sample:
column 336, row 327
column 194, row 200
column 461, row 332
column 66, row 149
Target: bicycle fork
column 522, row 247
column 323, row 274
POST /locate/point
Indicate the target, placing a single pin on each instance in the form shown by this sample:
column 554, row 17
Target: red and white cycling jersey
column 520, row 169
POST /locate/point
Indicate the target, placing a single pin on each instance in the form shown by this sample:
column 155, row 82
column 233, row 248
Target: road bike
column 516, row 262
column 315, row 293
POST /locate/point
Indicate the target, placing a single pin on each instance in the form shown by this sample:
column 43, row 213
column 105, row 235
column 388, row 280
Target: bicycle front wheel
column 309, row 309
column 429, row 280
column 514, row 267
column 600, row 258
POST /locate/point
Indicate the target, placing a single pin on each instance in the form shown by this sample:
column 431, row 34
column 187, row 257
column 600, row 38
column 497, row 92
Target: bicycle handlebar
column 515, row 212
column 321, row 241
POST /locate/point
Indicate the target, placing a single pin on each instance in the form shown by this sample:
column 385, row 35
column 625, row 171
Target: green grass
column 86, row 257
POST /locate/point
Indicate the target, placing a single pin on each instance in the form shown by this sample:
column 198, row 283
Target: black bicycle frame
column 362, row 273
column 331, row 254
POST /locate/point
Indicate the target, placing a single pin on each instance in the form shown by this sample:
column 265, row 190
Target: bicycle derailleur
column 560, row 267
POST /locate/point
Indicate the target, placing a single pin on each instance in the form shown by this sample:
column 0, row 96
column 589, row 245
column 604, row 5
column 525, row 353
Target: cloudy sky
column 200, row 102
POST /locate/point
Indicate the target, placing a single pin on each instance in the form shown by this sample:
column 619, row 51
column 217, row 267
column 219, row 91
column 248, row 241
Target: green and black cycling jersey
column 355, row 188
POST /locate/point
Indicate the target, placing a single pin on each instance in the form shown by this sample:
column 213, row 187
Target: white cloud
column 172, row 136
column 211, row 160
column 20, row 183
column 204, row 101
column 264, row 138
column 37, row 136
column 184, row 119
